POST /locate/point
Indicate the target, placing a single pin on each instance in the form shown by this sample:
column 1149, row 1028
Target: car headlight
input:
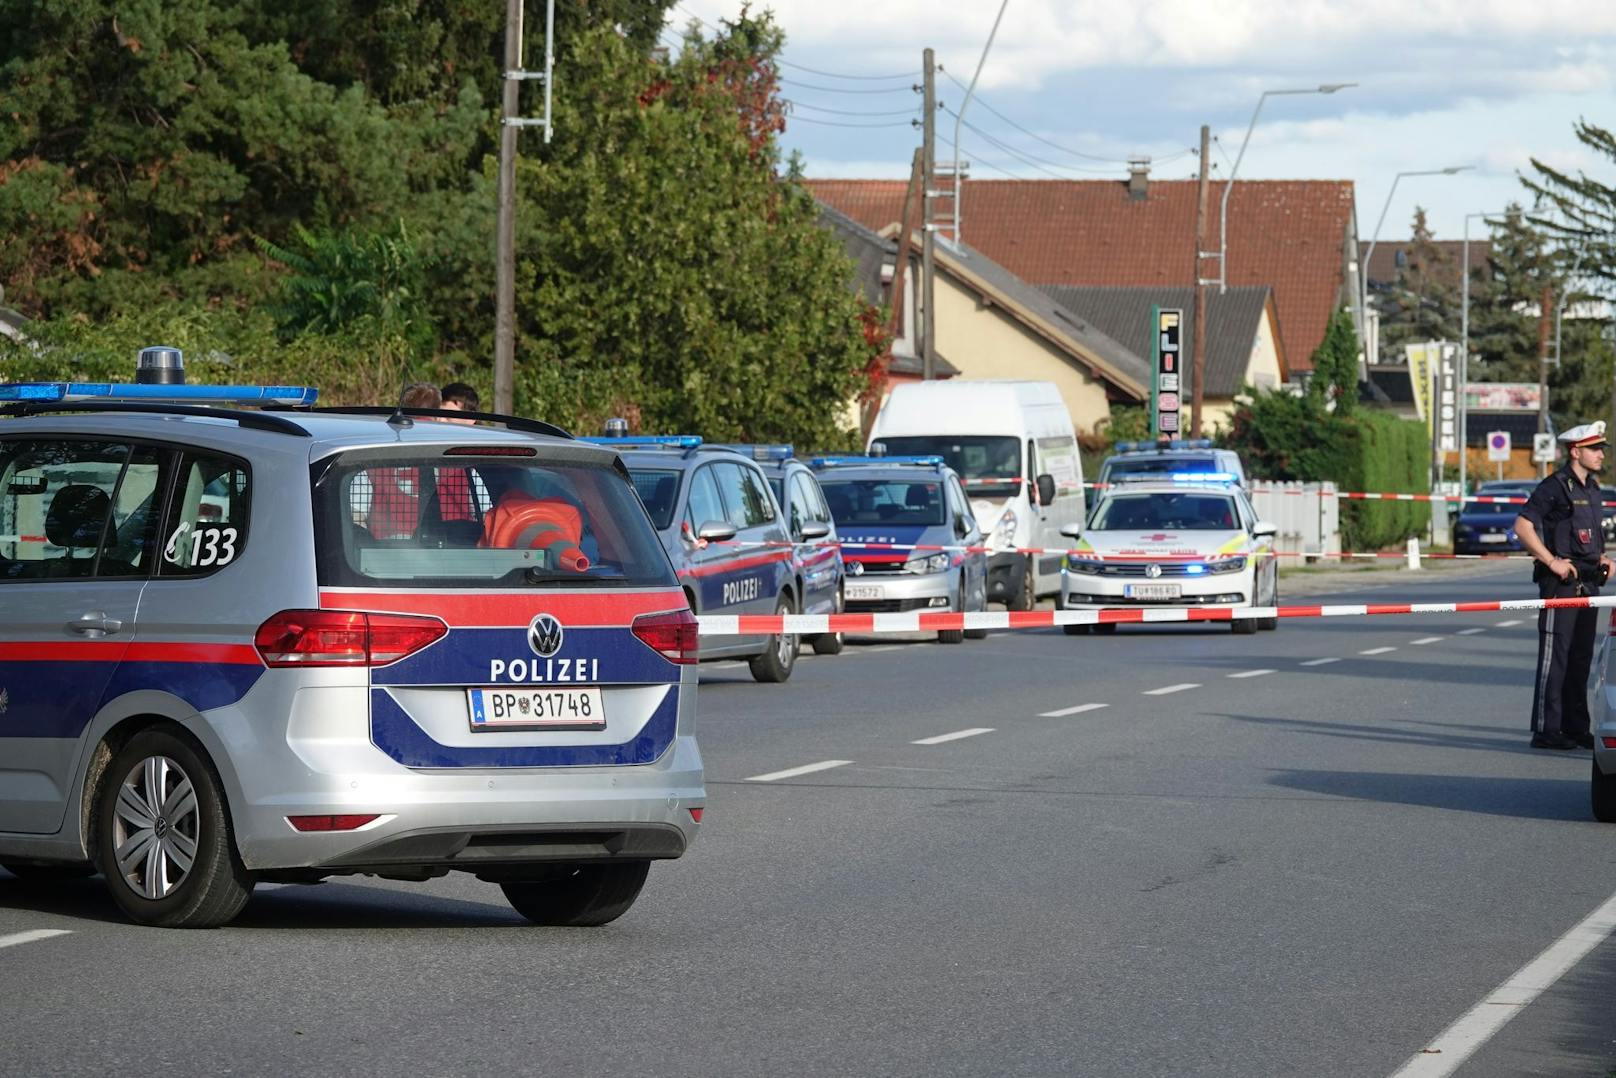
column 926, row 563
column 1086, row 566
column 1004, row 532
column 1226, row 565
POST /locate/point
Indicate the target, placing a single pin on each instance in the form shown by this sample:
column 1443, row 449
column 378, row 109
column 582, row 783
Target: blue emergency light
column 762, row 452
column 109, row 392
column 1154, row 447
column 646, row 441
column 1205, row 477
column 876, row 462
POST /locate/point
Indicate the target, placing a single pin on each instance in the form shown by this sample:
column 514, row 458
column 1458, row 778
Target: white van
column 1013, row 445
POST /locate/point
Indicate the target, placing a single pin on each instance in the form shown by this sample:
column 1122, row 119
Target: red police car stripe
column 471, row 609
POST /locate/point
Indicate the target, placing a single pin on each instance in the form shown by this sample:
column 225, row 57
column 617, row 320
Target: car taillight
column 343, row 637
column 671, row 635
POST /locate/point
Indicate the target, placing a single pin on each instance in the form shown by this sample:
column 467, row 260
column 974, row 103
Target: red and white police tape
column 921, row 621
column 1365, row 495
column 1165, row 556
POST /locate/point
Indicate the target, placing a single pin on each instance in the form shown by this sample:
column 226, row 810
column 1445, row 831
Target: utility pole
column 1203, row 189
column 505, row 239
column 905, row 232
column 928, row 243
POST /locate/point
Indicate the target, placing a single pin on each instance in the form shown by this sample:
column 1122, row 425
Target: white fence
column 1308, row 515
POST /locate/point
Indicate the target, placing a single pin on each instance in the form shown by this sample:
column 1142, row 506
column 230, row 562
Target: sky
column 1074, row 88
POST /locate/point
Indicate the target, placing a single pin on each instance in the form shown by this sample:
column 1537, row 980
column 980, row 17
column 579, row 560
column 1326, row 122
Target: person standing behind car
column 1561, row 527
column 459, row 397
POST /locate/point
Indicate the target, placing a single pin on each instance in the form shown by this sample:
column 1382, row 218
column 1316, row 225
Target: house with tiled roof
column 1295, row 237
column 1244, row 346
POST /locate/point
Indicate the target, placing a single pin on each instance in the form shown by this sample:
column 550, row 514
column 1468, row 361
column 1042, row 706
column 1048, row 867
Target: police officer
column 1561, row 528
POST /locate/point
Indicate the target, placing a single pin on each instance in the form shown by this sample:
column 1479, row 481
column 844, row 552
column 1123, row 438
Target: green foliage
column 1423, row 303
column 1581, row 210
column 339, row 281
column 1129, row 423
column 1289, row 438
column 1335, row 364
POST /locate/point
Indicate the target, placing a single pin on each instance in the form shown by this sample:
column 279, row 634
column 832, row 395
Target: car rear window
column 658, row 489
column 458, row 522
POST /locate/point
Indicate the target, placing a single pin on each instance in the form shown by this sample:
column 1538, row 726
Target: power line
column 1022, row 155
column 833, row 123
column 849, row 90
column 1030, row 134
column 906, row 75
column 912, row 111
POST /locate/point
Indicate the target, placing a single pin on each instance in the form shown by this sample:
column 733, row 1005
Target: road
column 1168, row 851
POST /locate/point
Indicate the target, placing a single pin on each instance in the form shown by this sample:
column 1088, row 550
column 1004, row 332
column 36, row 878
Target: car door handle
column 95, row 623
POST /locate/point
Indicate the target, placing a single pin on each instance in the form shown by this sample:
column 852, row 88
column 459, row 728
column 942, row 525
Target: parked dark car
column 1489, row 527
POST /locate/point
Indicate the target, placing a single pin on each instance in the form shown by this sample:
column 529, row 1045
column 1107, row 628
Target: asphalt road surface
column 1169, row 851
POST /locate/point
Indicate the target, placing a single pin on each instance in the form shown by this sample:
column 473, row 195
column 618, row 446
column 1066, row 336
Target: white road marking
column 1476, row 1026
column 1428, row 640
column 1320, row 662
column 955, row 736
column 1165, row 689
column 1065, row 711
column 1508, row 624
column 1251, row 673
column 793, row 772
column 1470, row 632
column 1376, row 651
column 32, row 937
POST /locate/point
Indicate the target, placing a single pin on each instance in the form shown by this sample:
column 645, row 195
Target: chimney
column 1138, row 178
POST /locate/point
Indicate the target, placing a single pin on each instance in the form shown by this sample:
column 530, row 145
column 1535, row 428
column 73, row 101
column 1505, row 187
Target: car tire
column 579, row 896
column 1024, row 599
column 1270, row 624
column 981, row 608
column 1243, row 626
column 1076, row 630
column 831, row 643
column 1603, row 795
column 779, row 657
column 1106, row 628
column 161, row 796
column 41, row 872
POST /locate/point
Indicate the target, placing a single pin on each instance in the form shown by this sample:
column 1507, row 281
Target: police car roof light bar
column 1205, row 477
column 759, row 451
column 876, row 462
column 87, row 392
column 1190, row 443
column 647, row 441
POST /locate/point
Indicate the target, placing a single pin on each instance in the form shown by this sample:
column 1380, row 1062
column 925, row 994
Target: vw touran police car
column 719, row 523
column 908, row 536
column 246, row 645
column 1179, row 543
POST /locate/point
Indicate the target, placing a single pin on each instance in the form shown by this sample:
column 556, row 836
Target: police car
column 1188, row 541
column 817, row 557
column 248, row 645
column 881, row 503
column 717, row 520
column 1133, row 461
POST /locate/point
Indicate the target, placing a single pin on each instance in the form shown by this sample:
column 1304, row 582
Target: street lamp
column 1363, row 270
column 1223, row 206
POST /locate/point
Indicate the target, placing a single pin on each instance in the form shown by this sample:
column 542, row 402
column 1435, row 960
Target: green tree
column 1505, row 298
column 1580, row 210
column 1335, row 364
column 1423, row 302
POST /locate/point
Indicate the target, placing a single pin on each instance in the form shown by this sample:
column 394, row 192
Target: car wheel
column 1270, row 624
column 163, row 839
column 1104, row 628
column 981, row 608
column 1603, row 795
column 41, row 872
column 1024, row 599
column 579, row 896
column 831, row 643
column 780, row 653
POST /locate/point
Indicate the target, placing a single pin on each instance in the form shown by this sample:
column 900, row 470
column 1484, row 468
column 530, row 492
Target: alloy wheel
column 157, row 826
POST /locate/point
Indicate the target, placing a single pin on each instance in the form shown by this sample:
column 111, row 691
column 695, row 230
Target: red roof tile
column 1285, row 234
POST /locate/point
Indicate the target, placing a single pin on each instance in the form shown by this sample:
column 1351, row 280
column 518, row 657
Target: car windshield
column 987, row 464
column 884, row 501
column 495, row 522
column 1189, row 511
column 658, row 489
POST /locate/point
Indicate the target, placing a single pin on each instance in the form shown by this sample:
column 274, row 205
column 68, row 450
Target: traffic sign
column 1543, row 449
column 1498, row 445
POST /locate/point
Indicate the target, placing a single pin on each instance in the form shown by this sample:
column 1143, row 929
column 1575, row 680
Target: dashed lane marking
column 1251, row 673
column 1166, row 689
column 793, row 772
column 1376, row 651
column 18, row 938
column 1065, row 711
column 1476, row 1026
column 1320, row 662
column 955, row 736
column 1509, row 624
column 1470, row 632
column 1427, row 640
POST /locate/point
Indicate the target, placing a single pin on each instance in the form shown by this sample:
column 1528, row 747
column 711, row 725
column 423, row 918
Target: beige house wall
column 1262, row 371
column 985, row 341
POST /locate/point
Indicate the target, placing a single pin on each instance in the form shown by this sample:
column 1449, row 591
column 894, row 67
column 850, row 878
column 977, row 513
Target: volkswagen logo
column 1153, row 570
column 544, row 635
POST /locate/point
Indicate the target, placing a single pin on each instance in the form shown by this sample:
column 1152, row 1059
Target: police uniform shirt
column 1568, row 516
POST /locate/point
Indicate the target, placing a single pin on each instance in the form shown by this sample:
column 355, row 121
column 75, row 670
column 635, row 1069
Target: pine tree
column 1506, row 297
column 1423, row 302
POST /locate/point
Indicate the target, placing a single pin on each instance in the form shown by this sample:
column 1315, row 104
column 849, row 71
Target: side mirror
column 716, row 531
column 1046, row 489
column 1072, row 531
column 815, row 529
column 1264, row 529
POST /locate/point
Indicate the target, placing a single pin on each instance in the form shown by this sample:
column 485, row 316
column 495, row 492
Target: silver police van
column 909, row 537
column 248, row 645
column 718, row 521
